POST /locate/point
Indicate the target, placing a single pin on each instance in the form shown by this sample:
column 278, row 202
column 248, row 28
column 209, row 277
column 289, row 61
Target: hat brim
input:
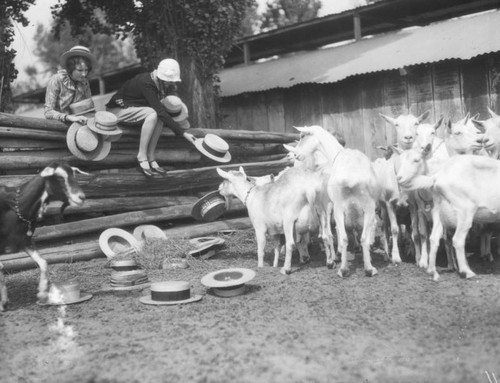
column 183, row 115
column 215, row 212
column 245, row 275
column 143, row 232
column 100, row 152
column 200, row 241
column 92, row 126
column 148, row 301
column 81, row 299
column 198, row 143
column 67, row 55
column 84, row 112
column 106, row 235
column 231, row 291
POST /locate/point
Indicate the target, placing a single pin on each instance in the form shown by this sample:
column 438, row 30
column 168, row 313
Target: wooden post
column 357, row 27
column 102, row 86
column 246, row 53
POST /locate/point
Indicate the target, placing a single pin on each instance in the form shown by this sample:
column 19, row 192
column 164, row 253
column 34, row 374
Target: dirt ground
column 311, row 326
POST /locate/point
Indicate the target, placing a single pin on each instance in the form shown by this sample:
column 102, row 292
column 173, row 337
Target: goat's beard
column 228, row 202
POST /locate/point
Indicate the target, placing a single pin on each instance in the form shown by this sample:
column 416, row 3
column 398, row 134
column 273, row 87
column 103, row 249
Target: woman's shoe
column 145, row 171
column 154, row 166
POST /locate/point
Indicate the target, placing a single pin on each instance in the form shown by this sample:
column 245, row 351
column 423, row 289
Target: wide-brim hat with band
column 170, row 293
column 82, row 107
column 104, row 123
column 65, row 293
column 85, row 144
column 228, row 282
column 116, row 241
column 209, row 207
column 213, row 147
column 143, row 232
column 175, row 107
column 78, row 50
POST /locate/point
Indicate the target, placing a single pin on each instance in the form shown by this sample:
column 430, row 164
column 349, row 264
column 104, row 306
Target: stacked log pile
column 117, row 194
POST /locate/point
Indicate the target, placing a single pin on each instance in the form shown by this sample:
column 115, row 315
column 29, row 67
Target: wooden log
column 141, row 217
column 23, row 133
column 136, row 184
column 119, row 204
column 11, row 120
column 89, row 250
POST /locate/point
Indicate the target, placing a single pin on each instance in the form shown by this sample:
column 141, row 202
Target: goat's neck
column 330, row 147
column 243, row 190
column 31, row 197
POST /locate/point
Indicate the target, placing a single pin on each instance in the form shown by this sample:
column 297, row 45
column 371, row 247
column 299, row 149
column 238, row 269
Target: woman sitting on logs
column 138, row 102
column 69, row 85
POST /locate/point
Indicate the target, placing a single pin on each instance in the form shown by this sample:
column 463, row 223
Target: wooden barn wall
column 351, row 107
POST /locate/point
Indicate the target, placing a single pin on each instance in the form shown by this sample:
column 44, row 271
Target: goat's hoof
column 467, row 274
column 43, row 296
column 305, row 260
column 342, row 273
column 3, row 306
column 371, row 273
column 396, row 262
column 330, row 265
column 285, row 271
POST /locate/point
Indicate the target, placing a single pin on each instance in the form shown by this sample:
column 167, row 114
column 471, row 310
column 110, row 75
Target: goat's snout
column 77, row 198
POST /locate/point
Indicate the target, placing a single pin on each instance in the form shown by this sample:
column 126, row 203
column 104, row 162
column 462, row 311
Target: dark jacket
column 141, row 90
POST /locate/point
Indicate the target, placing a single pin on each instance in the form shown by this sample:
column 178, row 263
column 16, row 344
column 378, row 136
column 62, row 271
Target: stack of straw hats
column 127, row 275
column 177, row 110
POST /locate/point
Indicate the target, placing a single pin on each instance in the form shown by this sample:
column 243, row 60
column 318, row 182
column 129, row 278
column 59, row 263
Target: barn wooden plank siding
column 351, row 107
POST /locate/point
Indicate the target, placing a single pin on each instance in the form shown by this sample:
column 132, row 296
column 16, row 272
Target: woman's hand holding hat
column 189, row 137
column 80, row 119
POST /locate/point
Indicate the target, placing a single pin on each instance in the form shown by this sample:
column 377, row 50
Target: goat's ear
column 223, row 173
column 423, row 116
column 49, row 171
column 289, row 148
column 76, row 170
column 303, row 130
column 493, row 114
column 480, row 125
column 390, row 120
column 395, row 149
column 242, row 171
column 438, row 124
column 475, row 117
column 383, row 148
column 252, row 180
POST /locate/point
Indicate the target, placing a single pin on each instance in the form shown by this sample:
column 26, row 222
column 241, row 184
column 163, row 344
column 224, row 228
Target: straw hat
column 170, row 293
column 201, row 241
column 175, row 107
column 124, row 264
column 210, row 207
column 228, row 282
column 115, row 241
column 78, row 50
column 213, row 147
column 82, row 107
column 85, row 144
column 104, row 123
column 65, row 293
column 205, row 247
column 143, row 232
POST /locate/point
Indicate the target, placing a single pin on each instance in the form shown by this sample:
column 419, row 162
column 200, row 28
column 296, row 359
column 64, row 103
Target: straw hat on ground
column 115, row 241
column 65, row 293
column 210, row 207
column 143, row 232
column 228, row 282
column 170, row 293
column 213, row 147
column 85, row 144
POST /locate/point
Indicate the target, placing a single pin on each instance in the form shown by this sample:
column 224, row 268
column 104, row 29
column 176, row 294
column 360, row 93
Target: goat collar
column 30, row 222
column 248, row 193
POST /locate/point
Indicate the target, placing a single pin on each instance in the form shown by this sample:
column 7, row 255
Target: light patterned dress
column 61, row 92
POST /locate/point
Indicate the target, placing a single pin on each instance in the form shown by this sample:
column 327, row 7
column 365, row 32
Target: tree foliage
column 10, row 11
column 198, row 33
column 279, row 13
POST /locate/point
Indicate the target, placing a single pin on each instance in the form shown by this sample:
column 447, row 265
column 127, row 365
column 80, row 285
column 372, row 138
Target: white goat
column 351, row 185
column 491, row 128
column 275, row 208
column 464, row 190
column 406, row 128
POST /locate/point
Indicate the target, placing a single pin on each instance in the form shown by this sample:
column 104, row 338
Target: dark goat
column 21, row 207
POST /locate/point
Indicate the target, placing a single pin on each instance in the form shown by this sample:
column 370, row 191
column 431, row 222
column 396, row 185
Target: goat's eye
column 457, row 133
column 416, row 160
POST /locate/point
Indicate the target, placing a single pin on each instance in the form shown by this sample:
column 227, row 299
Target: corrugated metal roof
column 462, row 38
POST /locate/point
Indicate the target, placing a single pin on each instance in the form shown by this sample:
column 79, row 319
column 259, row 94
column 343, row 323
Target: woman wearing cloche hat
column 138, row 102
column 70, row 85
